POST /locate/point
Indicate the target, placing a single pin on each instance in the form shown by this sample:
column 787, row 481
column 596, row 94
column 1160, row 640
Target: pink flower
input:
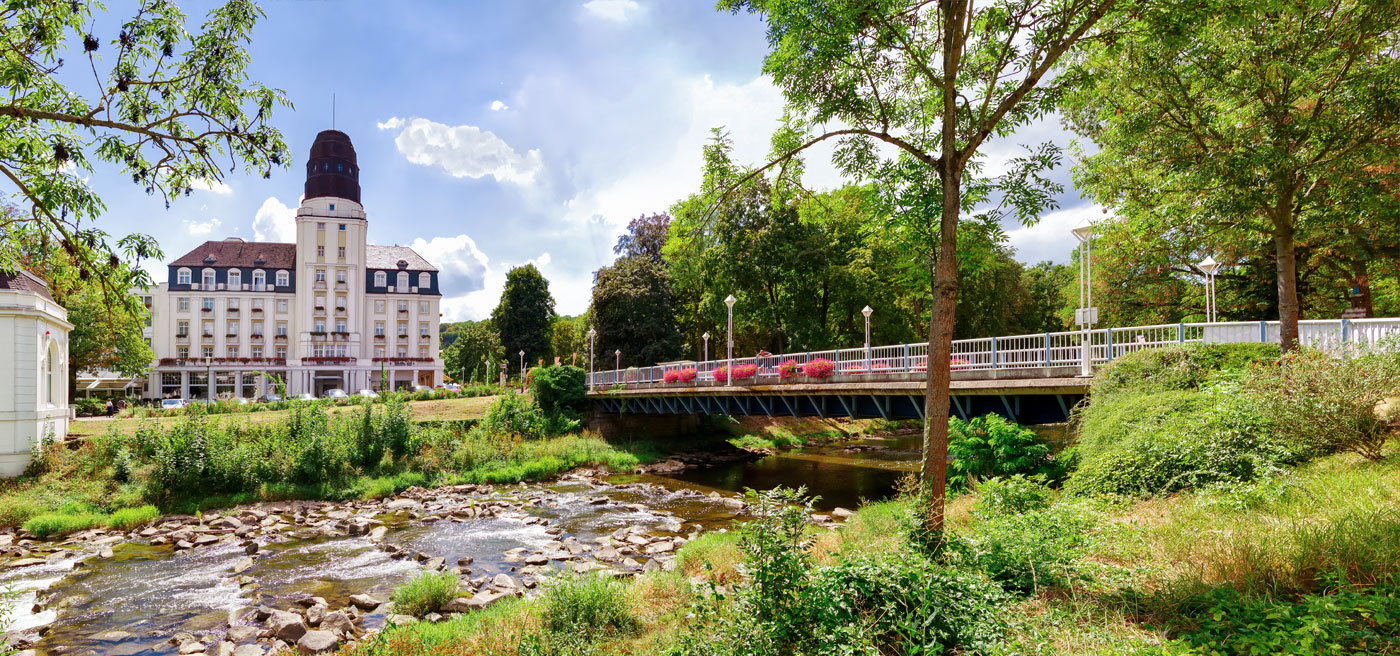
column 788, row 369
column 819, row 368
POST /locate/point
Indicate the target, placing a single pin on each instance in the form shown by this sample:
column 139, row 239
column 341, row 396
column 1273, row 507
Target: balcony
column 207, row 338
column 342, row 287
column 256, row 337
column 336, row 359
column 340, row 312
column 340, row 336
column 206, row 362
column 233, row 310
column 183, row 338
column 282, row 339
column 319, row 284
column 257, row 310
column 403, row 360
column 206, row 309
column 318, row 312
column 403, row 311
column 379, row 337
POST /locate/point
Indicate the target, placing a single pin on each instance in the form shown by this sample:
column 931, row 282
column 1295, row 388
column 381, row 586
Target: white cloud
column 215, row 186
column 1050, row 238
column 461, row 264
column 463, row 151
column 497, row 106
column 275, row 222
column 542, row 260
column 617, row 11
column 197, row 229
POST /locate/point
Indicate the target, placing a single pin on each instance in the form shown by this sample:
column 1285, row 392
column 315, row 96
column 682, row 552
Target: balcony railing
column 405, row 361
column 335, row 359
column 201, row 362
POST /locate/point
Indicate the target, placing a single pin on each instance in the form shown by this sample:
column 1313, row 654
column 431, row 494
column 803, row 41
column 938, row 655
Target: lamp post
column 591, row 334
column 522, row 369
column 1210, row 266
column 1087, row 315
column 208, row 378
column 618, row 359
column 706, row 337
column 729, row 372
column 867, row 312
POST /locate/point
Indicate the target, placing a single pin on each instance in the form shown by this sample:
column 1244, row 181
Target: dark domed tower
column 331, row 170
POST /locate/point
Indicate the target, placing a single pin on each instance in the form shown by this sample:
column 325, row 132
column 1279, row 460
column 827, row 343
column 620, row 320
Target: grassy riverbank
column 1191, row 521
column 309, row 451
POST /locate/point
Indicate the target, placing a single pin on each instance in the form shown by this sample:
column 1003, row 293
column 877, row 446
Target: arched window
column 380, row 279
column 49, row 376
column 235, row 278
column 282, row 278
column 208, row 281
column 259, row 280
column 182, row 277
column 424, row 281
column 403, row 281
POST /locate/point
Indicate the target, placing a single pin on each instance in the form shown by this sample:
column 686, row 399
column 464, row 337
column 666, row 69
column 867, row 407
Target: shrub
column 1346, row 620
column 1326, row 404
column 425, row 593
column 788, row 369
column 126, row 519
column 589, row 604
column 1012, row 495
column 558, row 389
column 1027, row 551
column 515, row 414
column 819, row 368
column 1179, row 367
column 991, row 445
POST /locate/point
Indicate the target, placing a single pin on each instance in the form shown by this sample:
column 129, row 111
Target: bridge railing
column 1055, row 349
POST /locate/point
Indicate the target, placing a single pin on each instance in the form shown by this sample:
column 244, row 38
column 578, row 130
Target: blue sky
column 490, row 134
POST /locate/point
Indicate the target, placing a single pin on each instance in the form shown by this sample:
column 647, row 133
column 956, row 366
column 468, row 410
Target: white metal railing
column 1077, row 348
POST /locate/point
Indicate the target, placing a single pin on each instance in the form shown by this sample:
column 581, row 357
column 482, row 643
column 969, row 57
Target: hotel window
column 281, row 329
column 423, row 330
column 257, row 328
column 424, row 280
column 182, row 277
column 340, row 252
column 233, row 304
column 403, row 329
column 257, row 352
column 183, row 304
column 340, row 302
column 232, row 328
column 340, row 326
column 282, row 306
column 233, row 351
column 379, row 307
column 257, row 304
column 208, row 352
column 379, row 351
column 340, row 275
column 283, row 278
column 320, row 326
column 182, row 352
column 259, row 280
column 379, row 328
column 282, row 352
column 320, row 226
column 403, row 281
column 208, row 328
column 403, row 306
column 422, row 351
column 320, row 275
column 208, row 302
column 235, row 279
column 182, row 328
column 422, row 307
column 403, row 351
column 208, row 278
column 320, row 301
column 320, row 251
column 380, row 278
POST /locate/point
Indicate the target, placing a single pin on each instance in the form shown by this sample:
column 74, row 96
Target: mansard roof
column 389, row 258
column 23, row 281
column 234, row 252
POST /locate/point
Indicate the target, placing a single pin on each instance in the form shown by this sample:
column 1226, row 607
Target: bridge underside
column 1039, row 401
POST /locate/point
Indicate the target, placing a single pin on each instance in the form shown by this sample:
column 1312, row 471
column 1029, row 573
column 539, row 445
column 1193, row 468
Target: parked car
column 172, row 404
column 306, row 396
column 269, row 398
column 421, row 388
column 336, row 393
column 452, row 387
column 368, row 393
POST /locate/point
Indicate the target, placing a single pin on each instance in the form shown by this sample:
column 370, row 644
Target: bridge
column 1031, row 379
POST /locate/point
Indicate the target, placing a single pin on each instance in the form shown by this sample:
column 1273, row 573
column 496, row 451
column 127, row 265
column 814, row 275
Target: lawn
column 436, row 410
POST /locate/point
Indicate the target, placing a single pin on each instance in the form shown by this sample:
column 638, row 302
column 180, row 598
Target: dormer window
column 380, row 279
column 424, row 281
column 235, row 279
column 182, row 277
column 282, row 278
column 403, row 281
column 208, row 278
column 259, row 280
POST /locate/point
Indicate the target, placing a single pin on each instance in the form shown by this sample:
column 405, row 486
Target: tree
column 931, row 82
column 632, row 312
column 1237, row 119
column 568, row 337
column 645, row 237
column 525, row 314
column 476, row 350
column 170, row 107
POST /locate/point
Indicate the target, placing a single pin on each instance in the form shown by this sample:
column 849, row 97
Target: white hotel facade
column 328, row 311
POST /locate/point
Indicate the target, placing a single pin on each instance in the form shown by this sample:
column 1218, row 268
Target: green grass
column 126, row 519
column 63, row 523
column 712, row 555
column 774, row 437
column 425, row 593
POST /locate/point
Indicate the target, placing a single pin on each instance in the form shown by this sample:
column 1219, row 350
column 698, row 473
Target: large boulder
column 287, row 627
column 339, row 623
column 364, row 602
column 318, row 642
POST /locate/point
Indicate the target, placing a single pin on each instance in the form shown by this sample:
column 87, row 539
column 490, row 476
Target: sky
column 492, row 134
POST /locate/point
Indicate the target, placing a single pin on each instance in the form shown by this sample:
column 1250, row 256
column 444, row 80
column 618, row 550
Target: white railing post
column 1086, row 367
column 906, row 359
column 1047, row 350
column 1263, row 331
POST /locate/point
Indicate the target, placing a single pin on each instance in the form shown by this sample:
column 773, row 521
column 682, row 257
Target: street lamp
column 706, row 337
column 1210, row 266
column 591, row 334
column 867, row 312
column 522, row 368
column 618, row 354
column 208, row 378
column 1087, row 314
column 729, row 372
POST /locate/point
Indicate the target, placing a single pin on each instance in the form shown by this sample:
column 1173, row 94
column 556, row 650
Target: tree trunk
column 934, row 472
column 1287, row 268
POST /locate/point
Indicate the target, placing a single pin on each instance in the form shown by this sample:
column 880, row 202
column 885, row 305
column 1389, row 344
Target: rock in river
column 317, row 642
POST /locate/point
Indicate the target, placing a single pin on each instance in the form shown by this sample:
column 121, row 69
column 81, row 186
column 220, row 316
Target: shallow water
column 152, row 592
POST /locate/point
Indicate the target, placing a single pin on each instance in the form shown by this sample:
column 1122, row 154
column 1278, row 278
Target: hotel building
column 328, row 311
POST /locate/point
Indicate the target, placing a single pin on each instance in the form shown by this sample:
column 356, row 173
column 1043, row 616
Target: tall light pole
column 867, row 312
column 591, row 334
column 729, row 372
column 617, row 362
column 706, row 337
column 522, row 368
column 208, row 378
column 1087, row 315
column 1210, row 266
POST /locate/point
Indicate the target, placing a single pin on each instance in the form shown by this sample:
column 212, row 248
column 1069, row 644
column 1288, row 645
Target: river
column 134, row 601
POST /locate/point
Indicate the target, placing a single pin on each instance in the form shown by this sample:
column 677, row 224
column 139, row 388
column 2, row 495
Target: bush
column 558, row 389
column 515, row 414
column 1028, row 551
column 1326, row 404
column 819, row 368
column 1181, row 367
column 590, row 605
column 126, row 519
column 1012, row 495
column 991, row 445
column 425, row 593
column 1347, row 620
